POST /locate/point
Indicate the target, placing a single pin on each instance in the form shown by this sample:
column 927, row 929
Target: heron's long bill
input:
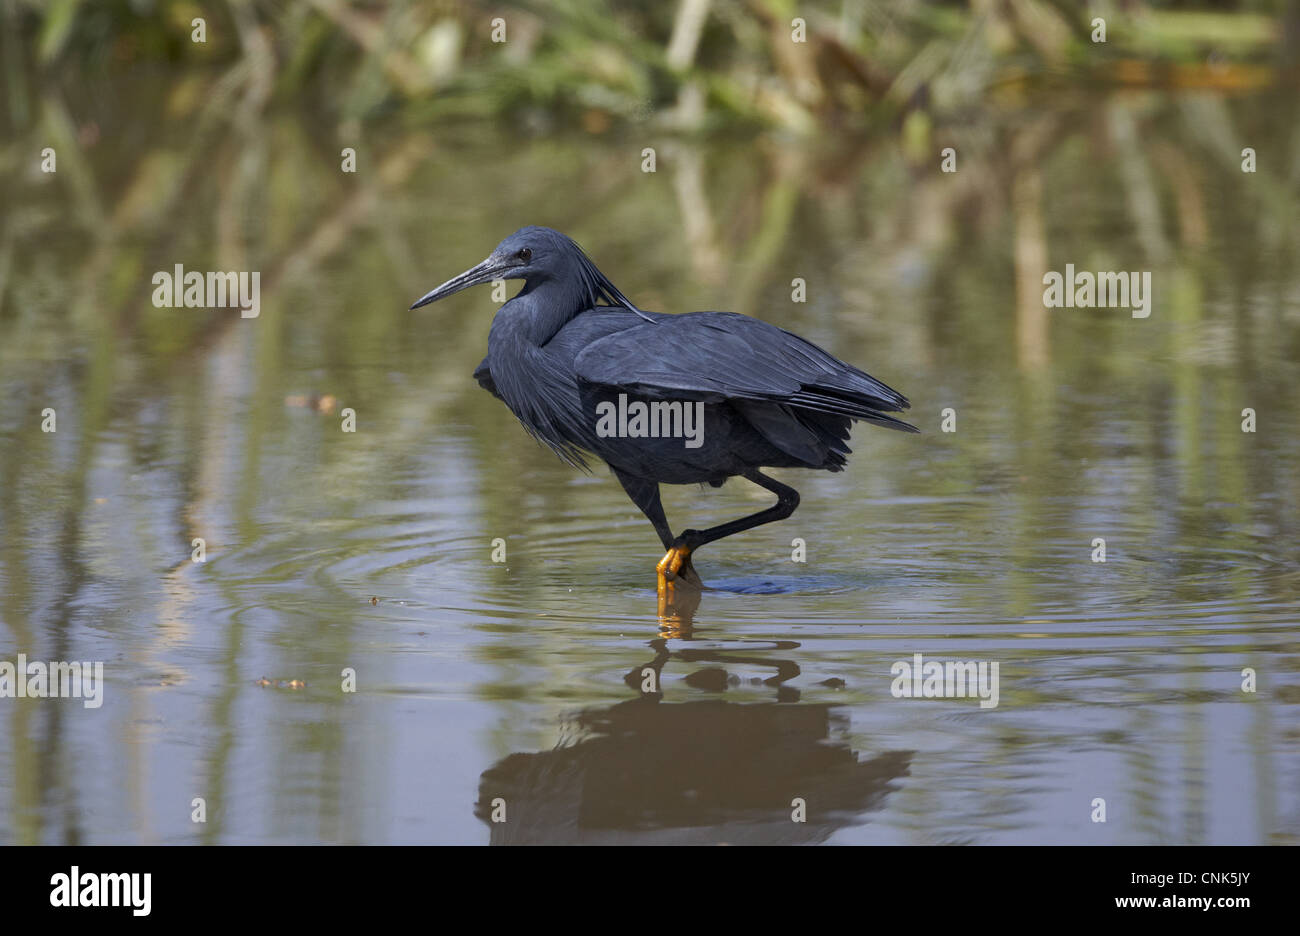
column 485, row 272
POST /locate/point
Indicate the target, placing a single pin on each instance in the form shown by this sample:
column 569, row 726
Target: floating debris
column 282, row 683
column 321, row 402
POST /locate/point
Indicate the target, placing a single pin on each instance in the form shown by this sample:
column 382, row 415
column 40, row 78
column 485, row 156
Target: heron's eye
column 525, row 255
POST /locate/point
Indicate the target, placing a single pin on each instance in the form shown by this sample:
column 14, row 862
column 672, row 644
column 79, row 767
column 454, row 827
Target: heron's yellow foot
column 670, row 566
column 676, row 574
column 679, row 588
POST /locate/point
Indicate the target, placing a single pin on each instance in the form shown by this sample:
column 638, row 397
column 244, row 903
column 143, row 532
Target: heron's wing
column 483, row 374
column 717, row 356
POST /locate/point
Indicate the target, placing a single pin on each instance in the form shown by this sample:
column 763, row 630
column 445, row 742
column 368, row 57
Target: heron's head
column 535, row 254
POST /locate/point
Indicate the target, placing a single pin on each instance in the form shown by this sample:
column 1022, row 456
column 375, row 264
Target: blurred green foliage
column 694, row 64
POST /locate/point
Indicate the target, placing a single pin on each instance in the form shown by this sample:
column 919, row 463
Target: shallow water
column 523, row 680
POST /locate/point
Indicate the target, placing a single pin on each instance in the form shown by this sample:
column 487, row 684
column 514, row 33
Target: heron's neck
column 543, row 307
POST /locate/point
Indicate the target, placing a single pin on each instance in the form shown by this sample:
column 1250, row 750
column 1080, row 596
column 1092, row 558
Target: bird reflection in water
column 648, row 771
column 678, row 604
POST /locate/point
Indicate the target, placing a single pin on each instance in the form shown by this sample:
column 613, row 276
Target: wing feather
column 717, row 356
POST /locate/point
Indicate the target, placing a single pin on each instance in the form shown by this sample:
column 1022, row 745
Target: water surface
column 523, row 680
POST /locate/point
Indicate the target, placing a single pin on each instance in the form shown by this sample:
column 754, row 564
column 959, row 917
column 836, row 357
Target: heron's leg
column 645, row 494
column 787, row 499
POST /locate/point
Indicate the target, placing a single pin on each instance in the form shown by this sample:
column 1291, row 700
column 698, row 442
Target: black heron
column 569, row 345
